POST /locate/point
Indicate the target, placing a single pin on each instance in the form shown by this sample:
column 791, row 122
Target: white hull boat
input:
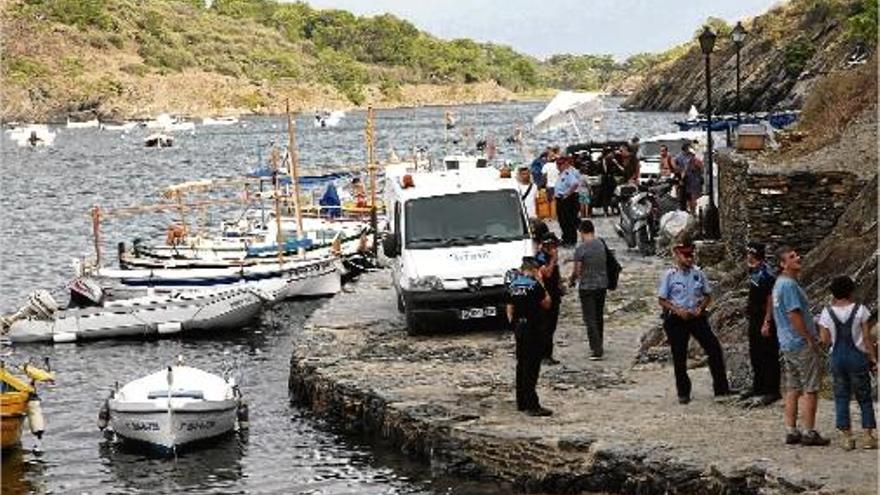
column 173, row 408
column 82, row 125
column 124, row 127
column 207, row 310
column 220, row 121
column 275, row 281
column 32, row 135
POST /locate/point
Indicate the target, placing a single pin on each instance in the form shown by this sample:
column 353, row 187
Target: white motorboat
column 41, row 320
column 82, row 125
column 32, row 135
column 229, row 120
column 124, row 127
column 328, row 119
column 174, row 407
column 159, row 141
column 167, row 123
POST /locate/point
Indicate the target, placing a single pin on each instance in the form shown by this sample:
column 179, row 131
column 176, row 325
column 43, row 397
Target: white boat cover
column 556, row 114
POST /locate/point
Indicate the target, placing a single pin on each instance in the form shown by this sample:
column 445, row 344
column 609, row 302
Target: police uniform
column 553, row 286
column 687, row 289
column 763, row 351
column 525, row 295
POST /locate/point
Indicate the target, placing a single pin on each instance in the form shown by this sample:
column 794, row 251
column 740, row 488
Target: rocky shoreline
column 448, row 401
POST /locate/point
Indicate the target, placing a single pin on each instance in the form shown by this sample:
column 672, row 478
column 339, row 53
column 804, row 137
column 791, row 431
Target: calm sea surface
column 45, row 198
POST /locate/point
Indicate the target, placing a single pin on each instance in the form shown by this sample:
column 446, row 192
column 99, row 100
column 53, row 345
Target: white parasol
column 565, row 108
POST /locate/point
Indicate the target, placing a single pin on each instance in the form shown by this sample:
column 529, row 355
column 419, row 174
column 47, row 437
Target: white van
column 453, row 235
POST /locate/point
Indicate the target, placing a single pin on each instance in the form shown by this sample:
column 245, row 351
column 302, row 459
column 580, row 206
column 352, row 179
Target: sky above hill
column 542, row 28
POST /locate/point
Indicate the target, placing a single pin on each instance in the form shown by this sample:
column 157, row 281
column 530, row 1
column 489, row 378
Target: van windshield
column 465, row 219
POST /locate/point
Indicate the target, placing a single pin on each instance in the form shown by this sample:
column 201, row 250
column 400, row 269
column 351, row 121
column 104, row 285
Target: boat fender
column 169, row 327
column 64, row 337
column 35, row 417
column 104, row 415
column 242, row 414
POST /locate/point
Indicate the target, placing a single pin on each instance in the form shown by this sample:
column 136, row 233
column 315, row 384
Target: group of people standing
column 534, row 297
column 786, row 344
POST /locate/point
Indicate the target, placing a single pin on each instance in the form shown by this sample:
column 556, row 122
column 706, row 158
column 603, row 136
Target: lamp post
column 739, row 36
column 711, row 225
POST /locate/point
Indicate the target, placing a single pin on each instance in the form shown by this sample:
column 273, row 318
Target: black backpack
column 612, row 267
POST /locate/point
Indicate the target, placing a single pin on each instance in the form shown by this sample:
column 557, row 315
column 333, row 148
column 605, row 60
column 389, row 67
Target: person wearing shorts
column 799, row 350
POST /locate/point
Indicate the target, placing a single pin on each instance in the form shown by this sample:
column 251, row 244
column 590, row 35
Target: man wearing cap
column 528, row 191
column 548, row 257
column 567, row 204
column 763, row 346
column 527, row 300
column 684, row 295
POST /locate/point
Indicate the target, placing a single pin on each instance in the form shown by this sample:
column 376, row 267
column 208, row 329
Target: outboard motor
column 39, row 303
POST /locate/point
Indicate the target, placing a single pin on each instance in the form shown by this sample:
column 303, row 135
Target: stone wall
column 780, row 206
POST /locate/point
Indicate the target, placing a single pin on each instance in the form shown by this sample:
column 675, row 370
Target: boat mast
column 96, row 233
column 293, row 171
column 371, row 167
column 279, row 234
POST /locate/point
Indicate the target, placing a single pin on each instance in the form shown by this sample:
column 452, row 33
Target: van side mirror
column 390, row 245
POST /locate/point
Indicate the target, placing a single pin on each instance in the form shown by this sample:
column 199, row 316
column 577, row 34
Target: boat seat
column 186, row 394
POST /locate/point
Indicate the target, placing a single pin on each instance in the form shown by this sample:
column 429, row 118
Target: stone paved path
column 615, row 427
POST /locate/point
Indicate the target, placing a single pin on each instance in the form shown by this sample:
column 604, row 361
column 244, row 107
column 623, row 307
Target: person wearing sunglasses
column 684, row 295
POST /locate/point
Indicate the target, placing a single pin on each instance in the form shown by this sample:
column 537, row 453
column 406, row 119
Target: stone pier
column 448, row 400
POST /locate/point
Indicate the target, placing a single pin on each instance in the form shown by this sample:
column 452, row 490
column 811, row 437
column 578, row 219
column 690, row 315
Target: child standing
column 844, row 325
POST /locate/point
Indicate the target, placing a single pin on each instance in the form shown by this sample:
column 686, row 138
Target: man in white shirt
column 550, row 172
column 528, row 191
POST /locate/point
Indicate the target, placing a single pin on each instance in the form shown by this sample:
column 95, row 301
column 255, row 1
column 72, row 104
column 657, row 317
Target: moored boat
column 174, row 407
column 41, row 319
column 19, row 402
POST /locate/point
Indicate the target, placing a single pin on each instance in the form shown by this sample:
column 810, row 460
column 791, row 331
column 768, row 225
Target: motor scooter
column 640, row 212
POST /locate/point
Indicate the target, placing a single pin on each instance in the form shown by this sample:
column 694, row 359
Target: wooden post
column 96, row 233
column 293, row 171
column 279, row 236
column 371, row 167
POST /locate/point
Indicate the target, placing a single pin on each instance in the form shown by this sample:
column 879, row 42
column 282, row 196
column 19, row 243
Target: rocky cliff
column 786, row 52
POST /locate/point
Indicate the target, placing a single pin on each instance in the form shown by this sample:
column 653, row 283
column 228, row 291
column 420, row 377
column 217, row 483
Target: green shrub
column 21, row 69
column 80, row 13
column 862, row 24
column 797, row 54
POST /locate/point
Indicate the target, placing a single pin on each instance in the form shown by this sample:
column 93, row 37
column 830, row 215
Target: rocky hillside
column 131, row 58
column 787, row 50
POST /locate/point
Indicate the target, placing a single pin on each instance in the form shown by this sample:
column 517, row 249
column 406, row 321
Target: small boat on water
column 229, row 120
column 19, row 402
column 274, row 281
column 82, row 125
column 90, row 316
column 174, row 407
column 159, row 141
column 32, row 135
column 167, row 123
column 118, row 126
column 328, row 119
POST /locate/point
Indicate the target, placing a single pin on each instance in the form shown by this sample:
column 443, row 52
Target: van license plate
column 473, row 313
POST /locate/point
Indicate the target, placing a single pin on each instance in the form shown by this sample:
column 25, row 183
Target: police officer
column 763, row 344
column 527, row 301
column 548, row 257
column 684, row 295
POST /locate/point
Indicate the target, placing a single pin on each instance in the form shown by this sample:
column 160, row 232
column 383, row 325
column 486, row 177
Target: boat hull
column 215, row 311
column 13, row 407
column 144, row 423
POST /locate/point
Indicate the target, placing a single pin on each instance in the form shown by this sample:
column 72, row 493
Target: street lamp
column 739, row 36
column 711, row 225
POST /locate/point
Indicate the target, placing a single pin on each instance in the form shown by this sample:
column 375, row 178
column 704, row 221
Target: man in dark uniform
column 763, row 345
column 548, row 257
column 527, row 300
